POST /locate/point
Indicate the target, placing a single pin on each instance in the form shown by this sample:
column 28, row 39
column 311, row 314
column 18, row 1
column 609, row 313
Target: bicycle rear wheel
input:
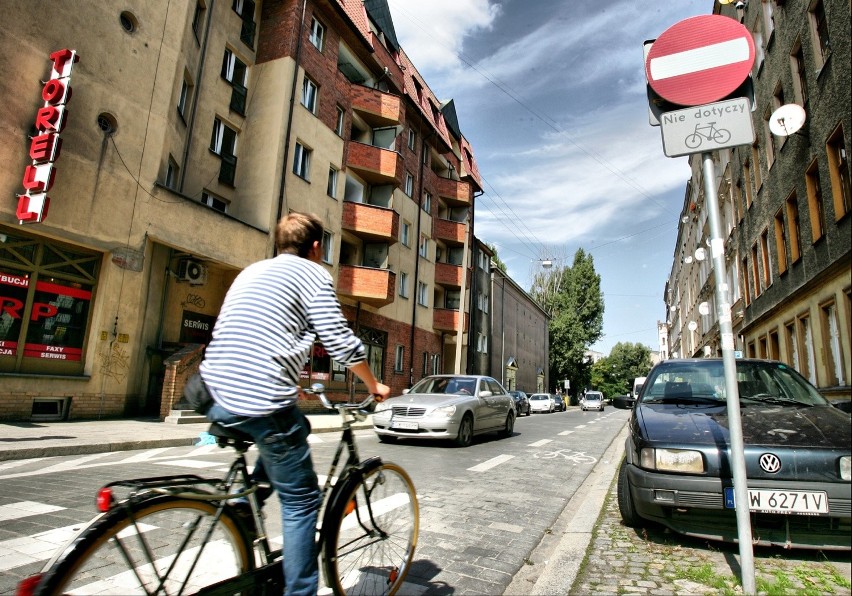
column 371, row 531
column 174, row 547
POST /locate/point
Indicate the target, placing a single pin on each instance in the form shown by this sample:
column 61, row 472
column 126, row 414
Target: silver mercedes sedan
column 454, row 407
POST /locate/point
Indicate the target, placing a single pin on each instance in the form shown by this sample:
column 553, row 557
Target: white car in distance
column 542, row 402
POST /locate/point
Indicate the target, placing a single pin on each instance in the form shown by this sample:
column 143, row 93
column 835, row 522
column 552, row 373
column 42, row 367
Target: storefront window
column 45, row 305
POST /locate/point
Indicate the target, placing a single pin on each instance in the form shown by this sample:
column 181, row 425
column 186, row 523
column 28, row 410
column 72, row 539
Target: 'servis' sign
column 46, row 144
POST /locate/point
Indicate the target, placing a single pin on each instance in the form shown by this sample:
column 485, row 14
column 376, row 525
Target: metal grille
column 407, row 411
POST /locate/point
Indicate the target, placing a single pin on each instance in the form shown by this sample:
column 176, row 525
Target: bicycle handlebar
column 318, row 389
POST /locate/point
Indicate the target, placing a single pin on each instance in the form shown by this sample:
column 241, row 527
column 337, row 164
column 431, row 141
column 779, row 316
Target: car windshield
column 593, row 396
column 455, row 385
column 704, row 382
column 538, row 397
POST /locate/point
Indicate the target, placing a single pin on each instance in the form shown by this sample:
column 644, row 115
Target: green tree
column 499, row 263
column 614, row 374
column 573, row 298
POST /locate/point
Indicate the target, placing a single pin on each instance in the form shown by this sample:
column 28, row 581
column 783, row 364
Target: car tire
column 625, row 499
column 509, row 429
column 387, row 439
column 465, row 436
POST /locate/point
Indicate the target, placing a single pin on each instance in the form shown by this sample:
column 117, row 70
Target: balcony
column 447, row 320
column 377, row 108
column 448, row 231
column 447, row 275
column 371, row 222
column 374, row 164
column 455, row 192
column 368, row 285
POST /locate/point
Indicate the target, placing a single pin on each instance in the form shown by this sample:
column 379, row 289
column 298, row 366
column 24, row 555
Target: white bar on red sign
column 698, row 59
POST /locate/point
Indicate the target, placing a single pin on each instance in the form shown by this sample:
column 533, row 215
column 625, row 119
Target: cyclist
column 269, row 320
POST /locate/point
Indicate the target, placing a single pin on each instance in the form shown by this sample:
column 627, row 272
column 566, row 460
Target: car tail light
column 104, row 500
column 27, row 586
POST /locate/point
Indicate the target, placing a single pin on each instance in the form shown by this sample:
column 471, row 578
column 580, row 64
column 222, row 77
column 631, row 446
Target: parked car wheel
column 510, row 426
column 465, row 436
column 625, row 500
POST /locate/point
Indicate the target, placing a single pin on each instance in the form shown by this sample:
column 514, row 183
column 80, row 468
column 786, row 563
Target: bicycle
column 709, row 132
column 183, row 534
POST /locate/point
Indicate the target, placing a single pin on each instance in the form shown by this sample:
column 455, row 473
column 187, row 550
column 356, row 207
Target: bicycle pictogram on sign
column 707, row 132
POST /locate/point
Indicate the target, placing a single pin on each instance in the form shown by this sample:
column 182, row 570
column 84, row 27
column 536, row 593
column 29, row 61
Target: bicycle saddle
column 224, row 432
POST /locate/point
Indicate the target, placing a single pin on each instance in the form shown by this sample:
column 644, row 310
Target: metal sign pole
column 723, row 311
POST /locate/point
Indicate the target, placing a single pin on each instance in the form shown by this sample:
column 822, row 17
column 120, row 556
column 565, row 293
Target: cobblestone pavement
column 623, row 560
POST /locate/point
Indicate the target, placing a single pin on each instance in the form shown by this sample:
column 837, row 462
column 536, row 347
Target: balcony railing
column 454, row 191
column 376, row 107
column 374, row 164
column 448, row 231
column 366, row 284
column 447, row 275
column 447, row 320
column 371, row 222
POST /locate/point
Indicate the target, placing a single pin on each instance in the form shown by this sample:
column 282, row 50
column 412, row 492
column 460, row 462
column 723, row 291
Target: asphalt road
column 484, row 509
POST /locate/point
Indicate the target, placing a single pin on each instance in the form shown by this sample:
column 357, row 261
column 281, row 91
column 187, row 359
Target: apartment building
column 785, row 205
column 192, row 127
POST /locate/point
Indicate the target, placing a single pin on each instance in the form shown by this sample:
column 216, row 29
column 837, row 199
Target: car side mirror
column 620, row 403
column 485, row 393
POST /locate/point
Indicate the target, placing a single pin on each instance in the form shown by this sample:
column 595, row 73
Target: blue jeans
column 282, row 440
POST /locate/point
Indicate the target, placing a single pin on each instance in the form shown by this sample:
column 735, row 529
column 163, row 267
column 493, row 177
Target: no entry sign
column 700, row 60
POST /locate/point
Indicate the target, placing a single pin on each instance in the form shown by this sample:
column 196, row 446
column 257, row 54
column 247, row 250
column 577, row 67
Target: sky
column 551, row 95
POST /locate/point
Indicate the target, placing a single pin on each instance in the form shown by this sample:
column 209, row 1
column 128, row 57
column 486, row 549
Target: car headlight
column 381, row 407
column 672, row 460
column 444, row 412
column 846, row 467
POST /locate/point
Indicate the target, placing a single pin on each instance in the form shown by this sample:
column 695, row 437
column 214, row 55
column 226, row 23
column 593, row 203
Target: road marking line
column 189, row 463
column 579, row 427
column 145, row 455
column 565, row 432
column 18, row 462
column 487, row 465
column 26, row 509
column 540, row 443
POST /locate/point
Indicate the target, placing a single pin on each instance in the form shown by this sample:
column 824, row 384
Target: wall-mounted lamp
column 692, row 326
column 704, row 309
column 687, row 259
column 684, row 219
column 700, row 253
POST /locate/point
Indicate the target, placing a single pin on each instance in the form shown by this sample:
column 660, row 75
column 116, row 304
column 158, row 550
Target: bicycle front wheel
column 173, row 547
column 371, row 532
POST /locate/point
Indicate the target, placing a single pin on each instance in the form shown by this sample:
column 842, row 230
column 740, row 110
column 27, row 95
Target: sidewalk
column 23, row 440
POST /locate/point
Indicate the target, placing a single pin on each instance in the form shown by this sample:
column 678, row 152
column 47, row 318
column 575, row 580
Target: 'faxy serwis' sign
column 700, row 60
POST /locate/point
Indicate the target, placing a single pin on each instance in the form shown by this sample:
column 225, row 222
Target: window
column 374, row 342
column 338, row 125
column 482, row 302
column 780, row 241
column 792, row 344
column 427, row 202
column 309, row 95
column 327, row 247
column 214, row 202
column 838, row 169
column 302, row 162
column 234, row 71
column 399, row 359
column 403, row 284
column 769, row 139
column 833, row 348
column 409, row 184
column 819, row 32
column 755, row 168
column 245, row 8
column 172, row 173
column 452, row 299
column 482, row 343
column 405, row 234
column 815, row 209
column 793, row 223
column 749, row 186
column 436, row 364
column 412, row 139
column 737, row 192
column 757, row 288
column 331, row 189
column 774, row 346
column 759, row 45
column 765, row 259
column 198, row 20
column 800, row 81
column 184, row 99
column 224, row 144
column 768, row 18
column 422, row 294
column 424, row 246
column 317, row 35
column 807, row 365
column 47, row 291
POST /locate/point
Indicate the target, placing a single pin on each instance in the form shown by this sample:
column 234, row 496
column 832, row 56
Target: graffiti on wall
column 115, row 361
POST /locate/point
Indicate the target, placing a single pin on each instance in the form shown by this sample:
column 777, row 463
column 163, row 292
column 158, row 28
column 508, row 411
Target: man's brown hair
column 296, row 233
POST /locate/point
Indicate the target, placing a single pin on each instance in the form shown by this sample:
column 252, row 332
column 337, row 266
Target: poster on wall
column 196, row 328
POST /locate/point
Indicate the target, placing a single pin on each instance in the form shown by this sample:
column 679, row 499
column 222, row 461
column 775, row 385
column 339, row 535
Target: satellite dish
column 787, row 120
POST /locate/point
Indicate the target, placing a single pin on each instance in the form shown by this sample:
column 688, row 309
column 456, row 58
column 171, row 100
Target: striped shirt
column 265, row 331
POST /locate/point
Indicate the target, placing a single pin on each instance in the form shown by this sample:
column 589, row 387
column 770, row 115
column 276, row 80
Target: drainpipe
column 423, row 148
column 282, row 195
column 460, row 325
column 190, row 127
column 474, row 287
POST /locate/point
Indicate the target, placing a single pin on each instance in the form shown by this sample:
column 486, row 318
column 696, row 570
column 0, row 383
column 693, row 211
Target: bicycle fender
column 344, row 487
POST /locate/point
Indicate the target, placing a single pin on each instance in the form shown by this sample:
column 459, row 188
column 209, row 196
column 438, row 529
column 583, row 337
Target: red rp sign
column 700, row 60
